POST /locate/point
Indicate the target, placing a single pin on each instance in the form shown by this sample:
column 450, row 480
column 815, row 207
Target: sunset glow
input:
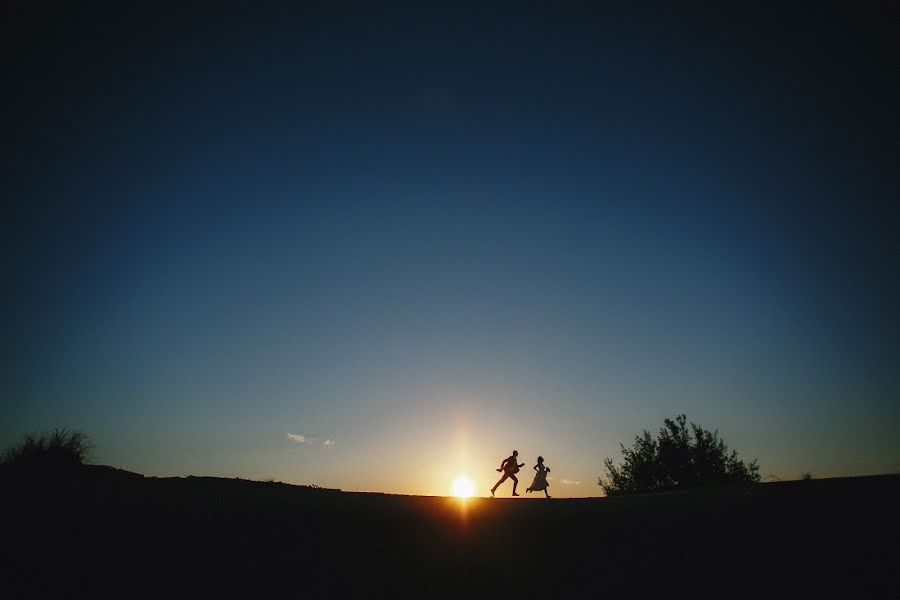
column 463, row 487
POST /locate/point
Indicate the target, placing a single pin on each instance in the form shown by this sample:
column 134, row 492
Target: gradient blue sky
column 430, row 236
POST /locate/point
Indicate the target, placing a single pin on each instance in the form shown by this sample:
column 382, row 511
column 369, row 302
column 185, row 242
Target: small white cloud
column 569, row 482
column 329, row 443
column 297, row 437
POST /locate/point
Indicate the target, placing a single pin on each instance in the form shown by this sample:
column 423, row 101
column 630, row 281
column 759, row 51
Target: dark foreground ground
column 100, row 531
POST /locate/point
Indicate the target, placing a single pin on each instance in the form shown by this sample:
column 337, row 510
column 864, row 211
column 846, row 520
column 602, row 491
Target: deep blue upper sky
column 429, row 235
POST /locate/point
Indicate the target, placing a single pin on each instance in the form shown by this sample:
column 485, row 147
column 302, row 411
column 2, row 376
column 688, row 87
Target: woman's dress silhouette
column 540, row 478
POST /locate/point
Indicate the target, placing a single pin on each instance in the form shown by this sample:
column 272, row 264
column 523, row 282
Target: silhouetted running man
column 509, row 467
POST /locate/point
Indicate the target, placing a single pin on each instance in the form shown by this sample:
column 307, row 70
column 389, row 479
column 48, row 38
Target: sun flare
column 463, row 487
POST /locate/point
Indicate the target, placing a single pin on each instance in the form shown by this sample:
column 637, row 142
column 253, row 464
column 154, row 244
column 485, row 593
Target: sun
column 463, row 487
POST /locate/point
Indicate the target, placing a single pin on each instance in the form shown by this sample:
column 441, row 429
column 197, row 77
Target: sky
column 376, row 246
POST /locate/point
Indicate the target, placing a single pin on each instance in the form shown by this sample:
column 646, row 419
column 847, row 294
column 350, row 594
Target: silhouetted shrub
column 60, row 448
column 678, row 457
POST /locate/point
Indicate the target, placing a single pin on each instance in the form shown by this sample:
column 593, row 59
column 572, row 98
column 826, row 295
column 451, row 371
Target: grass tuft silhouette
column 60, row 448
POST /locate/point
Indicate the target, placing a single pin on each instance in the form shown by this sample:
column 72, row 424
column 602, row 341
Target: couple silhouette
column 511, row 465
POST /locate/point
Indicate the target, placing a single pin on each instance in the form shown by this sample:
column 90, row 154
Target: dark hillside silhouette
column 679, row 457
column 93, row 531
column 100, row 530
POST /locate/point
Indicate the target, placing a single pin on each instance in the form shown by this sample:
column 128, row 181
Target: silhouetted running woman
column 509, row 467
column 540, row 478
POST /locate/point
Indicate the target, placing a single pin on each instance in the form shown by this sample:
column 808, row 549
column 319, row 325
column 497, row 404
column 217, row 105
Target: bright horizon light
column 463, row 487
